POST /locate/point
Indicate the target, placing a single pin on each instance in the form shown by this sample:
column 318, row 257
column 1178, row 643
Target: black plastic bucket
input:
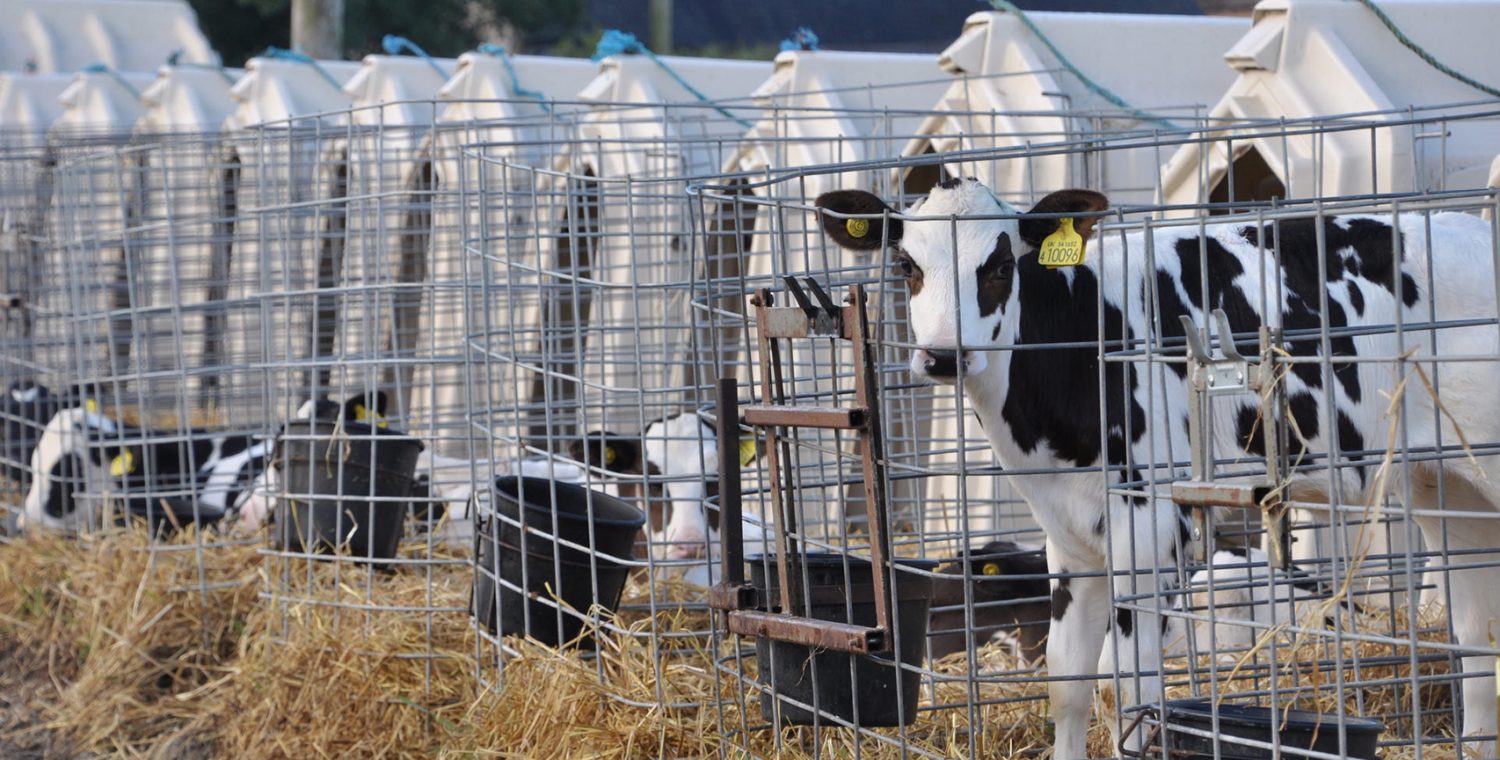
column 367, row 475
column 791, row 669
column 1300, row 730
column 526, row 560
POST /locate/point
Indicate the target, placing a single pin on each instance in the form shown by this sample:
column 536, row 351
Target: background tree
column 240, row 29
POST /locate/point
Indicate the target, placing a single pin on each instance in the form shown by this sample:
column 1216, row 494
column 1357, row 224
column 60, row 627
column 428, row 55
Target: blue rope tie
column 802, row 39
column 1089, row 84
column 99, row 68
column 615, row 42
column 394, row 44
column 282, row 54
column 174, row 60
column 498, row 51
column 1426, row 56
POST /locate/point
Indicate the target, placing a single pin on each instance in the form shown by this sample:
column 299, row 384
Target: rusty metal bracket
column 780, row 613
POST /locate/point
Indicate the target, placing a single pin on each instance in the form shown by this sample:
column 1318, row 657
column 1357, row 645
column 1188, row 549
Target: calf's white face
column 961, row 271
column 680, row 448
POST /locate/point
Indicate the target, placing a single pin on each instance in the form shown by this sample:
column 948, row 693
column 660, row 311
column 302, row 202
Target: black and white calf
column 142, row 472
column 256, row 482
column 978, row 288
column 1230, row 606
column 1225, row 608
column 681, row 452
column 197, row 476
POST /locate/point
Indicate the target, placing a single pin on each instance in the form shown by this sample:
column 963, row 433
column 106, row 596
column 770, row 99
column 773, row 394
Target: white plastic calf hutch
column 1306, row 61
column 365, row 166
column 98, row 111
column 523, row 108
column 286, row 114
column 1343, row 108
column 59, row 36
column 28, row 106
column 175, row 263
column 1005, row 90
column 820, row 108
column 585, row 253
column 613, row 208
column 1011, row 91
column 825, row 107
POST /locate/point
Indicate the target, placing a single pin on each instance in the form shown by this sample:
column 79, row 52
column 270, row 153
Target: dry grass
column 109, row 651
column 103, row 656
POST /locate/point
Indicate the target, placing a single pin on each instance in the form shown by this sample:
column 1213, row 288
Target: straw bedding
column 109, row 649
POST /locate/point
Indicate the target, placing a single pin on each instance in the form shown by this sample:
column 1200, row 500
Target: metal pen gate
column 1388, row 646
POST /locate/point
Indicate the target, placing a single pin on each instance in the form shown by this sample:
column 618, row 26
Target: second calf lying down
column 1226, row 608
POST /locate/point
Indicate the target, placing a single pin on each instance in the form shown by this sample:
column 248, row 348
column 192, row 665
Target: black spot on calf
column 996, row 277
column 1061, row 598
column 1053, row 395
column 1350, row 440
column 1356, row 299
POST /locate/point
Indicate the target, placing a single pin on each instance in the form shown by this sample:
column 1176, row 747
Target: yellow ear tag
column 991, row 568
column 91, row 406
column 1063, row 248
column 122, row 465
column 361, row 414
column 609, row 455
column 857, row 228
column 747, row 451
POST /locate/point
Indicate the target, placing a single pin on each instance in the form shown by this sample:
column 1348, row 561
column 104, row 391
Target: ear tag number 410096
column 1063, row 248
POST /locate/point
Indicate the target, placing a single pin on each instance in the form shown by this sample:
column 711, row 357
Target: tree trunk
column 318, row 28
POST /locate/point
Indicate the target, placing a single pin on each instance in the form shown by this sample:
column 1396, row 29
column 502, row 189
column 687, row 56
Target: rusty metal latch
column 773, row 614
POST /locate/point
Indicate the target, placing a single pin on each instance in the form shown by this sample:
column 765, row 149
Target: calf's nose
column 941, row 363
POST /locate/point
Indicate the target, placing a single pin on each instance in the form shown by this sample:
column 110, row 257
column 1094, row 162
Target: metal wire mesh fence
column 1377, row 616
column 445, row 366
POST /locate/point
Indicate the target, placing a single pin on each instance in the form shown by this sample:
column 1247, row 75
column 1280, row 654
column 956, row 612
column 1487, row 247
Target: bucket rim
column 636, row 520
column 358, row 431
column 826, row 559
column 1253, row 716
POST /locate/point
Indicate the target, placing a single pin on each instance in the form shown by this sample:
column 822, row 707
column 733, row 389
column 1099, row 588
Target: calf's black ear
column 858, row 234
column 1034, row 231
column 616, row 453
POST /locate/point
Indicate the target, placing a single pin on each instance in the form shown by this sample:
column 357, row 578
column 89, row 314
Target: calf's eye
column 905, row 266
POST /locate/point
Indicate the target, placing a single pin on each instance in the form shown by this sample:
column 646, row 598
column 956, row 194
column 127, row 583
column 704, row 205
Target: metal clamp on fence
column 776, row 616
column 1229, row 374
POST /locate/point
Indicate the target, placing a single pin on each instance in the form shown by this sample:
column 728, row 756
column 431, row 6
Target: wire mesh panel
column 149, row 421
column 1366, row 325
column 25, row 177
column 589, row 376
column 365, row 510
column 531, row 135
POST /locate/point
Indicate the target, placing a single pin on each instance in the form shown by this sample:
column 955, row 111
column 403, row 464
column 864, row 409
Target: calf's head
column 1010, row 594
column 962, row 266
column 681, row 451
